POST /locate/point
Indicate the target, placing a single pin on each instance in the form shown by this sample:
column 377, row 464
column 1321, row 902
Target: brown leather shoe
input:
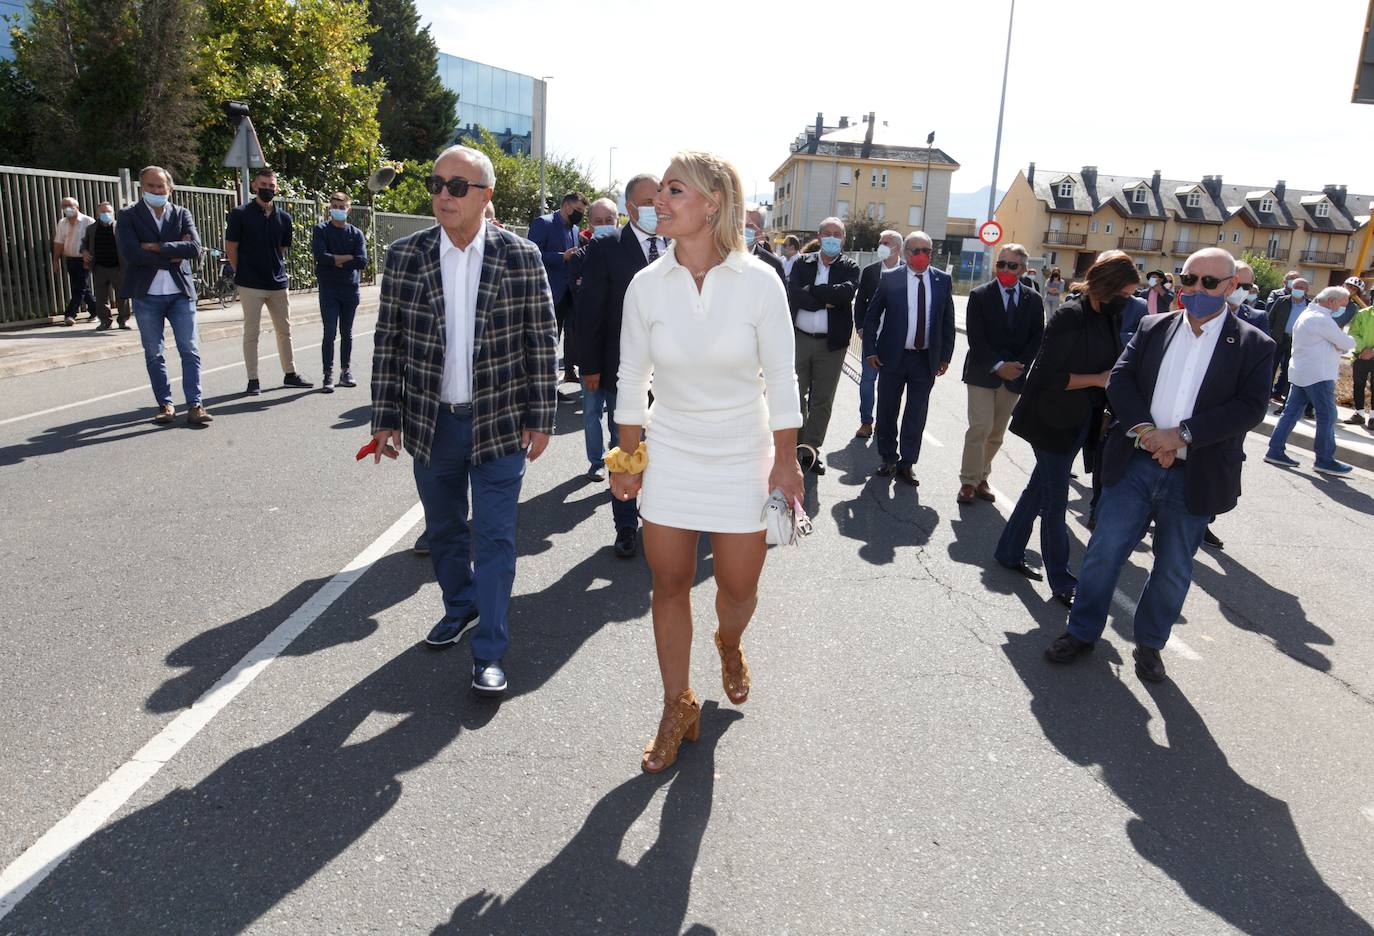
column 907, row 475
column 965, row 494
column 985, row 493
column 197, row 416
column 865, row 431
column 165, row 414
column 681, row 722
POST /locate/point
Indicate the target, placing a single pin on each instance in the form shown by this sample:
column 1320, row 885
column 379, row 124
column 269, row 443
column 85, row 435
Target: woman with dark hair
column 1061, row 410
column 1056, row 290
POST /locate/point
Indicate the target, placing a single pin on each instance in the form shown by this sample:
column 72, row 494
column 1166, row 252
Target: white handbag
column 784, row 524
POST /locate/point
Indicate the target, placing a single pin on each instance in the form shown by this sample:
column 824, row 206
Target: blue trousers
column 1145, row 490
column 1046, row 496
column 337, row 307
column 1321, row 396
column 153, row 313
column 868, row 380
column 474, row 563
column 909, row 375
column 79, row 279
column 594, row 403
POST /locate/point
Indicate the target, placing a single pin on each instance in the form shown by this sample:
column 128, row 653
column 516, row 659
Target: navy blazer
column 1231, row 402
column 994, row 336
column 767, row 257
column 889, row 306
column 553, row 237
column 837, row 294
column 137, row 226
column 608, row 265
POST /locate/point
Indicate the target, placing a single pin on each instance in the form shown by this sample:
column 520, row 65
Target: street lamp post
column 610, row 169
column 543, row 133
column 1001, row 110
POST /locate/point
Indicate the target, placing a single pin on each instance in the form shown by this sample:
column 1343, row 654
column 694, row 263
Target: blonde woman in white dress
column 709, row 325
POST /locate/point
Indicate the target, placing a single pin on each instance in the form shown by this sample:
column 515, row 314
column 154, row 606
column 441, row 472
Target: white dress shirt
column 461, row 271
column 1318, row 345
column 662, row 242
column 162, row 284
column 912, row 278
column 788, row 263
column 816, row 321
column 1180, row 373
column 70, row 231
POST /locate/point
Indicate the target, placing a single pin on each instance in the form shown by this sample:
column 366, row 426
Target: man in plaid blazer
column 463, row 376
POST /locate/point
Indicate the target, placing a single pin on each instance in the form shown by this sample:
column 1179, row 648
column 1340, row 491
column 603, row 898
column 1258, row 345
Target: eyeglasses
column 1247, row 285
column 1208, row 282
column 919, row 250
column 457, row 186
column 1008, row 265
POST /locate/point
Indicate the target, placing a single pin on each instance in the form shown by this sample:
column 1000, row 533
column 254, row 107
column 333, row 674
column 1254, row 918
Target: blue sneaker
column 488, row 678
column 1338, row 469
column 1283, row 461
column 451, row 630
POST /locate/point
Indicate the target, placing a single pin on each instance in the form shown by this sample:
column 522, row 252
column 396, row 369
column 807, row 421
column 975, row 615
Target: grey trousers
column 818, row 375
column 106, row 283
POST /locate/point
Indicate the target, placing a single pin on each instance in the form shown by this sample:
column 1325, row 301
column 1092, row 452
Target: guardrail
column 1323, row 257
column 1065, row 239
column 1141, row 243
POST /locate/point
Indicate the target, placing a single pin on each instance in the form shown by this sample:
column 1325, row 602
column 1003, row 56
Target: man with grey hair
column 100, row 250
column 820, row 292
column 1318, row 346
column 1283, row 316
column 889, row 259
column 1005, row 321
column 66, row 255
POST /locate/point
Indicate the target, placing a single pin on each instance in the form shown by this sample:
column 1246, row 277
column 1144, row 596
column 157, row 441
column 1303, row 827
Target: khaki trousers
column 989, row 411
column 279, row 307
column 818, row 375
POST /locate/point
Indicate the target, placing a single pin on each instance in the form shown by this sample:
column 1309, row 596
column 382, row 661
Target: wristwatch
column 1185, row 434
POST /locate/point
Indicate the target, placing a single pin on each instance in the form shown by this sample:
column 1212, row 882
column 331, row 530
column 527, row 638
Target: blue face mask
column 154, row 201
column 830, row 246
column 748, row 237
column 338, row 214
column 603, row 230
column 1298, row 294
column 106, row 217
column 648, row 219
column 1201, row 305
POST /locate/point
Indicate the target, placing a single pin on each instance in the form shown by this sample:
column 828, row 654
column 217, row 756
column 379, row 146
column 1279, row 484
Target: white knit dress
column 710, row 355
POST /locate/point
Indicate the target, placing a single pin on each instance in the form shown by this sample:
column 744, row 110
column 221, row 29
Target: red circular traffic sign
column 990, row 233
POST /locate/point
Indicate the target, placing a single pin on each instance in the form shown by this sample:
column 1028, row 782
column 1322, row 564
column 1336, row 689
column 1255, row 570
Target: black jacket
column 1076, row 341
column 838, row 294
column 767, row 257
column 994, row 336
column 868, row 285
column 607, row 266
column 1231, row 402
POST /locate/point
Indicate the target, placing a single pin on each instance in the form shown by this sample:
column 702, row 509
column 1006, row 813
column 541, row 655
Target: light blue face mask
column 154, row 201
column 1298, row 294
column 648, row 219
column 603, row 230
column 748, row 237
column 338, row 214
column 830, row 246
column 106, row 217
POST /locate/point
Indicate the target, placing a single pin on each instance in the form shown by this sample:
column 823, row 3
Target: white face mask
column 884, row 252
column 1238, row 295
column 1153, row 281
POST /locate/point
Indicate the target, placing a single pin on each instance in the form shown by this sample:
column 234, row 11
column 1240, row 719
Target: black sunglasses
column 1208, row 282
column 1008, row 265
column 920, row 250
column 457, row 186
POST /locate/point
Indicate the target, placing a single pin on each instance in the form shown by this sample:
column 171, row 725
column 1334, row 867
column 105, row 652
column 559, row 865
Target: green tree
column 295, row 63
column 113, row 82
column 862, row 233
column 1268, row 275
column 417, row 114
column 16, row 116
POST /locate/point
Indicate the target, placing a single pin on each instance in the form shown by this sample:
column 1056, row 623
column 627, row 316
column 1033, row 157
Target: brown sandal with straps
column 734, row 672
column 681, row 721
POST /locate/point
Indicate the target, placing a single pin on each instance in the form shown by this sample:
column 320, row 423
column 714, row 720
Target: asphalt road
column 907, row 763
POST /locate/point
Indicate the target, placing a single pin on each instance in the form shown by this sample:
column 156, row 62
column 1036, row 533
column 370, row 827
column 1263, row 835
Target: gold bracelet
column 619, row 462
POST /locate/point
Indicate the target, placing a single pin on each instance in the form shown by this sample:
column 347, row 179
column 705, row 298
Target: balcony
column 1269, row 251
column 1323, row 257
column 1065, row 239
column 1186, row 248
column 1138, row 244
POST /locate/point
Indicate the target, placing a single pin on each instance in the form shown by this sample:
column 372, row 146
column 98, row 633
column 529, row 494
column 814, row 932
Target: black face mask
column 575, row 218
column 266, row 194
column 1114, row 306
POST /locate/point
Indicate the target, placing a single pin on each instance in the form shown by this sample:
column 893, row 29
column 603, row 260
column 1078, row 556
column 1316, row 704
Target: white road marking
column 171, row 379
column 38, row 861
column 1368, row 812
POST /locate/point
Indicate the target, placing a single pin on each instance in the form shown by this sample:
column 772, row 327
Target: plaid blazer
column 514, row 383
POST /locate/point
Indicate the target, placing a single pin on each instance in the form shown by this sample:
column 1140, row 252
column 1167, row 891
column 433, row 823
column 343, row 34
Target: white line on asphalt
column 29, row 869
column 1368, row 812
column 171, row 379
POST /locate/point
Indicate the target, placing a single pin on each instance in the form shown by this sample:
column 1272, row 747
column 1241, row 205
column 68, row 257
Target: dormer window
column 1138, row 197
column 1066, row 189
column 1194, row 200
column 1266, row 205
column 1323, row 210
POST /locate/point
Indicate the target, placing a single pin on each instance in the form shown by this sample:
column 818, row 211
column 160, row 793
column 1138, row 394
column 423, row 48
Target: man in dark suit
column 889, row 259
column 757, row 242
column 555, row 234
column 463, row 376
column 913, row 346
column 157, row 240
column 1185, row 392
column 820, row 292
column 1004, row 321
column 1283, row 315
column 607, row 268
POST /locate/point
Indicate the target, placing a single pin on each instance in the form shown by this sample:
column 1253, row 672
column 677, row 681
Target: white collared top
column 461, row 271
column 912, row 278
column 1318, row 345
column 816, row 321
column 1180, row 373
column 162, row 284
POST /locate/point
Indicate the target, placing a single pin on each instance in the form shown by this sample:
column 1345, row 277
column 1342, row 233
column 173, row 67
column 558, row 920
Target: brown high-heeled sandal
column 734, row 672
column 681, row 721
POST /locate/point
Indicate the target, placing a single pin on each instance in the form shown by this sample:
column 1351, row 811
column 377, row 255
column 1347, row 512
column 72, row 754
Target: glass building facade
column 500, row 101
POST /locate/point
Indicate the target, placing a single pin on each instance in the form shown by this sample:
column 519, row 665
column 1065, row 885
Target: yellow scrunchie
column 618, row 461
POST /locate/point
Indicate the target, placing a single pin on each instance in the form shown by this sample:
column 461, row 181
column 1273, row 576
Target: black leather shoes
column 1211, row 539
column 254, row 387
column 1025, row 570
column 488, row 679
column 887, row 469
column 907, row 475
column 625, row 543
column 1148, row 665
column 1067, row 648
column 1064, row 598
column 295, row 380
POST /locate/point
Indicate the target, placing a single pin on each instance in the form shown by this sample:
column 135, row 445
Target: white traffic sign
column 990, row 233
column 245, row 152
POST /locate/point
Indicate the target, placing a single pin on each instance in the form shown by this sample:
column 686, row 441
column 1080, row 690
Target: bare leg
column 672, row 556
column 738, row 560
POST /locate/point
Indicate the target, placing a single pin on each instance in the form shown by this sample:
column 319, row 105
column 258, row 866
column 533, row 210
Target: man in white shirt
column 66, row 252
column 1318, row 346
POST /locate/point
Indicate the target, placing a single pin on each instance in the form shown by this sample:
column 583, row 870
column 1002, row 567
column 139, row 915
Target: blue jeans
column 337, row 307
column 152, row 314
column 79, row 279
column 594, row 403
column 1046, row 496
column 469, row 577
column 868, row 381
column 1145, row 490
column 1321, row 396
